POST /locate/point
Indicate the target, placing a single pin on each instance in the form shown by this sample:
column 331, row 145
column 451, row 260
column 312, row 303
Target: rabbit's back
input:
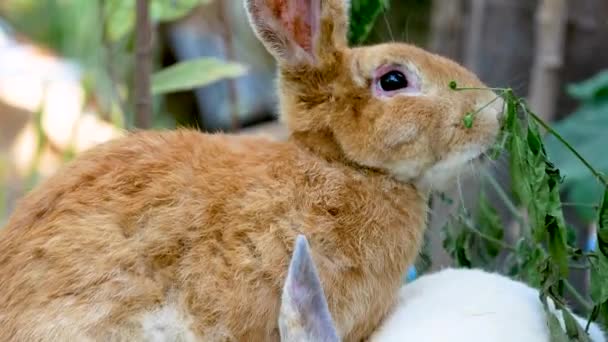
column 99, row 247
column 191, row 234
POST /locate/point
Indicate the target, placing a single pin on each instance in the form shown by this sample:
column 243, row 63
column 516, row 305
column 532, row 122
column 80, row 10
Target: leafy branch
column 545, row 252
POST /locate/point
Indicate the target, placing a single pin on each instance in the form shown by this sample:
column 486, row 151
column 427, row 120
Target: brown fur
column 206, row 223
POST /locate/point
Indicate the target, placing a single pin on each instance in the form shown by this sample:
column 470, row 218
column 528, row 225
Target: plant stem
column 482, row 235
column 577, row 296
column 579, row 266
column 476, row 88
column 584, row 205
column 504, row 197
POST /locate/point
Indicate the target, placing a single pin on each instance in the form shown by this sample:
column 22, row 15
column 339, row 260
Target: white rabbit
column 449, row 305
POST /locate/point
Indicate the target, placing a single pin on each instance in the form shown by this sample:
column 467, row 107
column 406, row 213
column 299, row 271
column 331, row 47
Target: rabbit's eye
column 393, row 80
column 390, row 80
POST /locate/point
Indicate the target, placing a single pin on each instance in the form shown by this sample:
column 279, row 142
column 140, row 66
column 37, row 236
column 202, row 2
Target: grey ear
column 304, row 314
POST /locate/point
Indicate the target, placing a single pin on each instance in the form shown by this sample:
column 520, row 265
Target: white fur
column 469, row 305
column 407, row 170
column 442, row 173
column 453, row 305
column 166, row 324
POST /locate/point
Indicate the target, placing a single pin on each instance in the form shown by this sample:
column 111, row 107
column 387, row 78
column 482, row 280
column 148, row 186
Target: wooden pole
column 473, row 48
column 233, row 95
column 143, row 66
column 551, row 19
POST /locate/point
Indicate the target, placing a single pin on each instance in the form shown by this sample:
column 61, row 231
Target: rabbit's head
column 387, row 107
column 304, row 315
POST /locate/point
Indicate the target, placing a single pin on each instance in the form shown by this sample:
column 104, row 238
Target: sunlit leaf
column 170, row 10
column 120, row 18
column 121, row 14
column 193, row 74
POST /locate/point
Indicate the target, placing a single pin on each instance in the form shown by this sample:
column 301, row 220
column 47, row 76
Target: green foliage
column 121, row 14
column 475, row 242
column 586, row 129
column 362, row 18
column 192, row 74
column 545, row 250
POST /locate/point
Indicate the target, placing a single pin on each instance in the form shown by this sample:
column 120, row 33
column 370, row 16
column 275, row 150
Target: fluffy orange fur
column 188, row 235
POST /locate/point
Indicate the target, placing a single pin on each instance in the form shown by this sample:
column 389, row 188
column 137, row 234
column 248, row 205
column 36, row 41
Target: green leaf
column 362, row 18
column 557, row 244
column 599, row 278
column 585, row 195
column 556, row 332
column 489, row 223
column 602, row 226
column 550, row 278
column 170, row 10
column 121, row 14
column 457, row 242
column 585, row 130
column 599, row 314
column 529, row 260
column 574, row 330
column 462, row 252
column 193, row 74
column 591, row 89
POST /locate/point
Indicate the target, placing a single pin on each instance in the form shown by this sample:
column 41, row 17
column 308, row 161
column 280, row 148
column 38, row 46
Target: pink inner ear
column 300, row 18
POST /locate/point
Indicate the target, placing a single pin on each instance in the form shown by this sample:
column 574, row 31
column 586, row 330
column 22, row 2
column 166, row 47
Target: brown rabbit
column 186, row 236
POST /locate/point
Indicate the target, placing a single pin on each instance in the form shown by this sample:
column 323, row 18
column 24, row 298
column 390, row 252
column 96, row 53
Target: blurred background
column 75, row 73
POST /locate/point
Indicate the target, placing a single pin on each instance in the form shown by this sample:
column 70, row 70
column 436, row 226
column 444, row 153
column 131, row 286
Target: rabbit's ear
column 299, row 31
column 304, row 314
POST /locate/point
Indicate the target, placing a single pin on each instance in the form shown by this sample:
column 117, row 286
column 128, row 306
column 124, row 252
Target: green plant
column 586, row 129
column 363, row 15
column 545, row 251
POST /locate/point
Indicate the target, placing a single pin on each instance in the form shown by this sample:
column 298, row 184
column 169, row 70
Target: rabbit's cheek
column 395, row 136
column 442, row 173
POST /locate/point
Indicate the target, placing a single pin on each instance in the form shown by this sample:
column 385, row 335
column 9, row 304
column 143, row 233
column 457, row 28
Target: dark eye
column 393, row 80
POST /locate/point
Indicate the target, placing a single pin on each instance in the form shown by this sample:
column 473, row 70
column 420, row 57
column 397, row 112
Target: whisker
column 406, row 33
column 517, row 82
column 388, row 25
column 460, row 193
